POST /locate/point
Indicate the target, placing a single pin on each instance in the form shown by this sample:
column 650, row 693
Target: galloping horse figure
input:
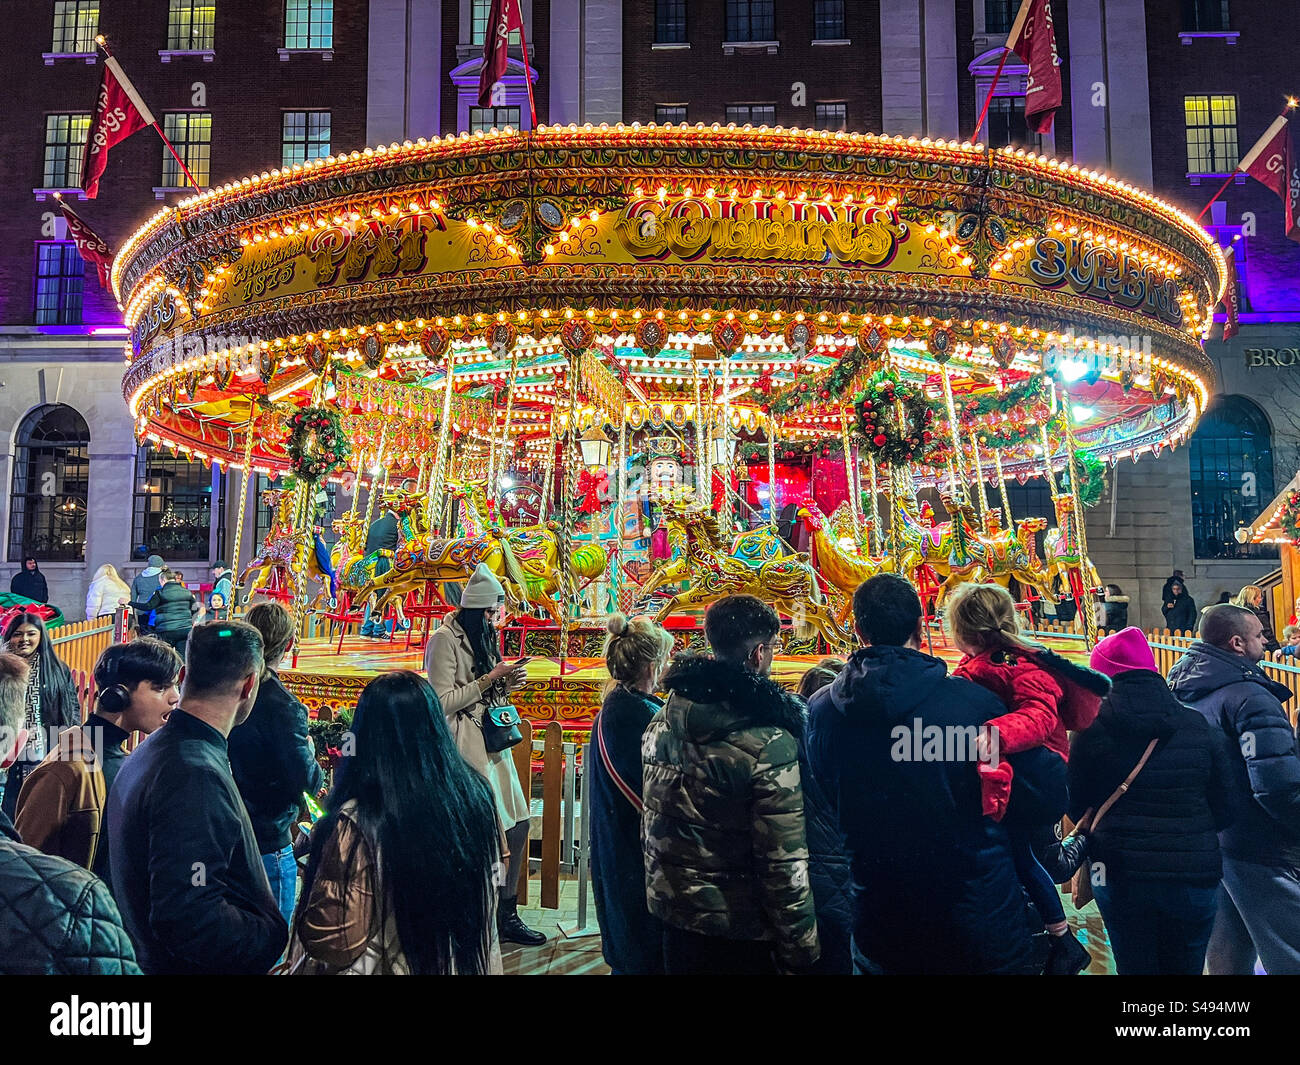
column 287, row 551
column 788, row 583
column 1064, row 550
column 348, row 554
column 425, row 556
column 1014, row 554
column 840, row 559
column 755, row 546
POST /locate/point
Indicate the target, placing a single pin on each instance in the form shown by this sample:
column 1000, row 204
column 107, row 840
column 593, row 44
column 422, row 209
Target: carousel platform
column 570, row 693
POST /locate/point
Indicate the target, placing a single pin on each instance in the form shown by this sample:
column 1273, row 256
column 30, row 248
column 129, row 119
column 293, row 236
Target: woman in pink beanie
column 1155, row 858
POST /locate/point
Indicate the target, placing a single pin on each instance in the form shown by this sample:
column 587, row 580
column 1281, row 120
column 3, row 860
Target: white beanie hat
column 483, row 591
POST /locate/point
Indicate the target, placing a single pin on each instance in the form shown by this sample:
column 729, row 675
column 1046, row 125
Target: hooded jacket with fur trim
column 725, row 845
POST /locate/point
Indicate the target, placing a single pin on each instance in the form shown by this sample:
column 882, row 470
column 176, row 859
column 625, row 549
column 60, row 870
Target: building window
column 308, row 24
column 828, row 20
column 75, row 24
column 306, row 136
column 1205, row 16
column 191, row 135
column 1006, row 124
column 755, row 114
column 1231, row 456
column 1211, row 134
column 47, row 507
column 172, row 510
column 190, row 25
column 999, row 14
column 670, row 114
column 832, row 116
column 65, row 146
column 60, row 275
column 486, row 118
column 670, row 21
column 478, row 21
column 750, row 20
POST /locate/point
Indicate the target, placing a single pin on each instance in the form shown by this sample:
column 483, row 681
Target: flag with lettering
column 119, row 113
column 1266, row 161
column 1231, row 298
column 1033, row 39
column 504, row 18
column 1292, row 196
column 90, row 246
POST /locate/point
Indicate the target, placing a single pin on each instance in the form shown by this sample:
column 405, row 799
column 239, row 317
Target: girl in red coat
column 1045, row 695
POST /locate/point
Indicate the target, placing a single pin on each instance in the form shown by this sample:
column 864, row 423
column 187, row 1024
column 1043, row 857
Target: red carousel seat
column 344, row 615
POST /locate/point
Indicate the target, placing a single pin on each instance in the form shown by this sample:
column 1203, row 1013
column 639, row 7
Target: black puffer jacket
column 1166, row 825
column 1237, row 698
column 56, row 919
column 935, row 887
column 174, row 608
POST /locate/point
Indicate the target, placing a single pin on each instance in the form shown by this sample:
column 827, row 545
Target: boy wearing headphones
column 61, row 806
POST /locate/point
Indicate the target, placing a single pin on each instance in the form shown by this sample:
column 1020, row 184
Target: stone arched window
column 47, row 503
column 1232, row 476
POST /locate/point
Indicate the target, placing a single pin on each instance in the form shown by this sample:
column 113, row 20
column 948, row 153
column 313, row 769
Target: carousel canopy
column 776, row 273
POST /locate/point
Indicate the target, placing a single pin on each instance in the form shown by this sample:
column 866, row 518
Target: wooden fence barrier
column 557, row 770
column 78, row 646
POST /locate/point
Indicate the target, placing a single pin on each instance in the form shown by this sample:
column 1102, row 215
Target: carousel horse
column 754, row 546
column 347, row 557
column 788, row 583
column 840, row 559
column 1063, row 549
column 1014, row 554
column 285, row 552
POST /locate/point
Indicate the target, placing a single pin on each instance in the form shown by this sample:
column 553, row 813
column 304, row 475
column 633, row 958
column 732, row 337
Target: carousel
column 645, row 367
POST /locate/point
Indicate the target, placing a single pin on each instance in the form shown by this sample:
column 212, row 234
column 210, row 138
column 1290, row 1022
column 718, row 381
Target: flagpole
column 523, row 48
column 989, row 98
column 99, row 40
column 1285, row 114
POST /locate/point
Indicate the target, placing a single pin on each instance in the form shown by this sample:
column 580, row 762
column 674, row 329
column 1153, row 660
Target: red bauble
column 880, row 440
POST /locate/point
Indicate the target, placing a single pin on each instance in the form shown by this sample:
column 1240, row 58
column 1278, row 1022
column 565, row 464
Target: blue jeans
column 1258, row 913
column 1034, row 879
column 282, row 872
column 1157, row 927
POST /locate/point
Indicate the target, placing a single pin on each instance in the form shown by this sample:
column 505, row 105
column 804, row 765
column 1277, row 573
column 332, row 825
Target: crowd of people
column 889, row 817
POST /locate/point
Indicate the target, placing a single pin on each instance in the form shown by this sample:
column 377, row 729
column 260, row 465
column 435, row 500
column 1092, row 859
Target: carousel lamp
column 596, row 447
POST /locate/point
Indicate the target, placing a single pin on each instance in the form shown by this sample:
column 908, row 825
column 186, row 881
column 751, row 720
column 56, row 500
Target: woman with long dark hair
column 51, row 698
column 400, row 878
column 465, row 668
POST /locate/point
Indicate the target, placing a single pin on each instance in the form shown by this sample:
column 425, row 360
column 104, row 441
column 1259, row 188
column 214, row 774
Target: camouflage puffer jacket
column 725, row 847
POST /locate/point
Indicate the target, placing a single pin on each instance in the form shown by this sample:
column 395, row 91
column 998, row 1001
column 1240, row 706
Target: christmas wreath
column 317, row 446
column 1092, row 477
column 887, row 436
column 1289, row 517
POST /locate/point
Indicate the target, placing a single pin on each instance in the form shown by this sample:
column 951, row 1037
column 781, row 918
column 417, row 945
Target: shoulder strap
column 1128, row 780
column 619, row 782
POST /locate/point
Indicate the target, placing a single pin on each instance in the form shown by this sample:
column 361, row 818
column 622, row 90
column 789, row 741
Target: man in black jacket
column 29, row 582
column 935, row 885
column 1259, row 896
column 272, row 757
column 58, row 919
column 174, row 610
column 187, row 874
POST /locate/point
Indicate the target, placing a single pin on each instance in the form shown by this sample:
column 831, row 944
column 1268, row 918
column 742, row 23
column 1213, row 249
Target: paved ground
column 581, row 957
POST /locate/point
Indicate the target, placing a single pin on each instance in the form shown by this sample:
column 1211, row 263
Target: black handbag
column 500, row 725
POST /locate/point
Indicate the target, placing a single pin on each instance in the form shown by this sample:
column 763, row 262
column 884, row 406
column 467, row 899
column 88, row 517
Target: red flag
column 1292, row 197
column 89, row 246
column 504, row 17
column 1273, row 161
column 1033, row 39
column 1231, row 298
column 120, row 113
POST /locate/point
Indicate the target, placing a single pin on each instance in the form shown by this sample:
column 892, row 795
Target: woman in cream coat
column 465, row 668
